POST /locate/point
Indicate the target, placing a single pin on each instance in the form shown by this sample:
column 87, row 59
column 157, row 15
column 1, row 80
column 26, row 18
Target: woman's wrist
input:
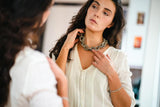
column 110, row 73
column 66, row 47
column 116, row 90
column 62, row 79
column 65, row 98
column 65, row 101
column 63, row 90
column 114, row 82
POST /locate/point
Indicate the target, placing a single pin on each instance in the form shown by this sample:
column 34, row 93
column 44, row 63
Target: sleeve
column 125, row 77
column 40, row 85
column 45, row 99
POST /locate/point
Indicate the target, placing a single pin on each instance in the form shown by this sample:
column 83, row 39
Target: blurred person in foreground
column 27, row 77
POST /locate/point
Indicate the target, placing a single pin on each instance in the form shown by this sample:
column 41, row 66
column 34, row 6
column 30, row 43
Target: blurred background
column 140, row 41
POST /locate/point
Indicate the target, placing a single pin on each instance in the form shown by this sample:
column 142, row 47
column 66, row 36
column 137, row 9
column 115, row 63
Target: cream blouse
column 89, row 87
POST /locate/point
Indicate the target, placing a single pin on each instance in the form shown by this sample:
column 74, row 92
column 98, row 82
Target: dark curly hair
column 20, row 21
column 113, row 34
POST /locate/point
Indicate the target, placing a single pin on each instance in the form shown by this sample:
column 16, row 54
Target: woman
column 26, row 78
column 98, row 73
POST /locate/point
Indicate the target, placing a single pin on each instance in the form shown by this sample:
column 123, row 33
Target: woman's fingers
column 77, row 31
column 56, row 70
column 101, row 54
column 50, row 62
column 108, row 57
column 98, row 54
column 96, row 59
column 95, row 64
column 71, row 38
column 95, row 53
column 76, row 41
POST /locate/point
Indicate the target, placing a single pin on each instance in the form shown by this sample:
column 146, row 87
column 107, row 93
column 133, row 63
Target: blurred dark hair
column 113, row 34
column 20, row 22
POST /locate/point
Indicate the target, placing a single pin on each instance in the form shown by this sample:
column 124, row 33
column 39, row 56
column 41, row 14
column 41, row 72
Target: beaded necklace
column 82, row 40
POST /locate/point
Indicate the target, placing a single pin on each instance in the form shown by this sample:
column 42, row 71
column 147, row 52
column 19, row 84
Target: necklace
column 82, row 39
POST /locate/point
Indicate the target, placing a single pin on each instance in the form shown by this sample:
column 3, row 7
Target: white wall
column 149, row 70
column 57, row 25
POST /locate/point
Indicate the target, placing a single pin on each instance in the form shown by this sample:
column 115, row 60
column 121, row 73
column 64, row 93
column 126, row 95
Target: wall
column 149, row 76
column 133, row 29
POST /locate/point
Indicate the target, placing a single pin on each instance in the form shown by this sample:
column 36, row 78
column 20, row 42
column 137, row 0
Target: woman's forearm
column 61, row 62
column 119, row 96
column 62, row 85
column 63, row 91
column 62, row 58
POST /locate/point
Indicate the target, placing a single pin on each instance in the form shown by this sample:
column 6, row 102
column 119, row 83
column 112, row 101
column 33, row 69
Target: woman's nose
column 97, row 13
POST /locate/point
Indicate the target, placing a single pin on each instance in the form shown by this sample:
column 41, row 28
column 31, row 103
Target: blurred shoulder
column 32, row 55
column 117, row 52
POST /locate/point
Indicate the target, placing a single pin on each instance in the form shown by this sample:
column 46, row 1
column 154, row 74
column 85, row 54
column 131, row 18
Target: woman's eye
column 105, row 13
column 94, row 6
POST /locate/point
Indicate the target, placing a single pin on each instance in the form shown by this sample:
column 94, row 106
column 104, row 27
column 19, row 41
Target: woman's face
column 100, row 15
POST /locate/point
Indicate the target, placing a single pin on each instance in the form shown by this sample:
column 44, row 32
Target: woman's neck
column 93, row 39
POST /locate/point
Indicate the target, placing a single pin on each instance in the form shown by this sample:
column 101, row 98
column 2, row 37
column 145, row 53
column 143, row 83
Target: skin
column 46, row 14
column 99, row 17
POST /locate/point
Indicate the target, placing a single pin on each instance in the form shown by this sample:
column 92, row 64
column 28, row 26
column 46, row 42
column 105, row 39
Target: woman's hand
column 56, row 70
column 119, row 97
column 103, row 63
column 71, row 38
column 62, row 86
column 60, row 77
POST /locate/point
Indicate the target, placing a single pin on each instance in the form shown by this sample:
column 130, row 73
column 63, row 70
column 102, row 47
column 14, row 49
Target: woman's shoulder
column 30, row 55
column 117, row 55
column 32, row 69
column 28, row 59
column 116, row 52
column 38, row 74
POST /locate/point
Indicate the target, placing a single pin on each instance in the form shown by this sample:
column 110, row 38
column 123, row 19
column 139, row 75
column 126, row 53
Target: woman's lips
column 92, row 20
